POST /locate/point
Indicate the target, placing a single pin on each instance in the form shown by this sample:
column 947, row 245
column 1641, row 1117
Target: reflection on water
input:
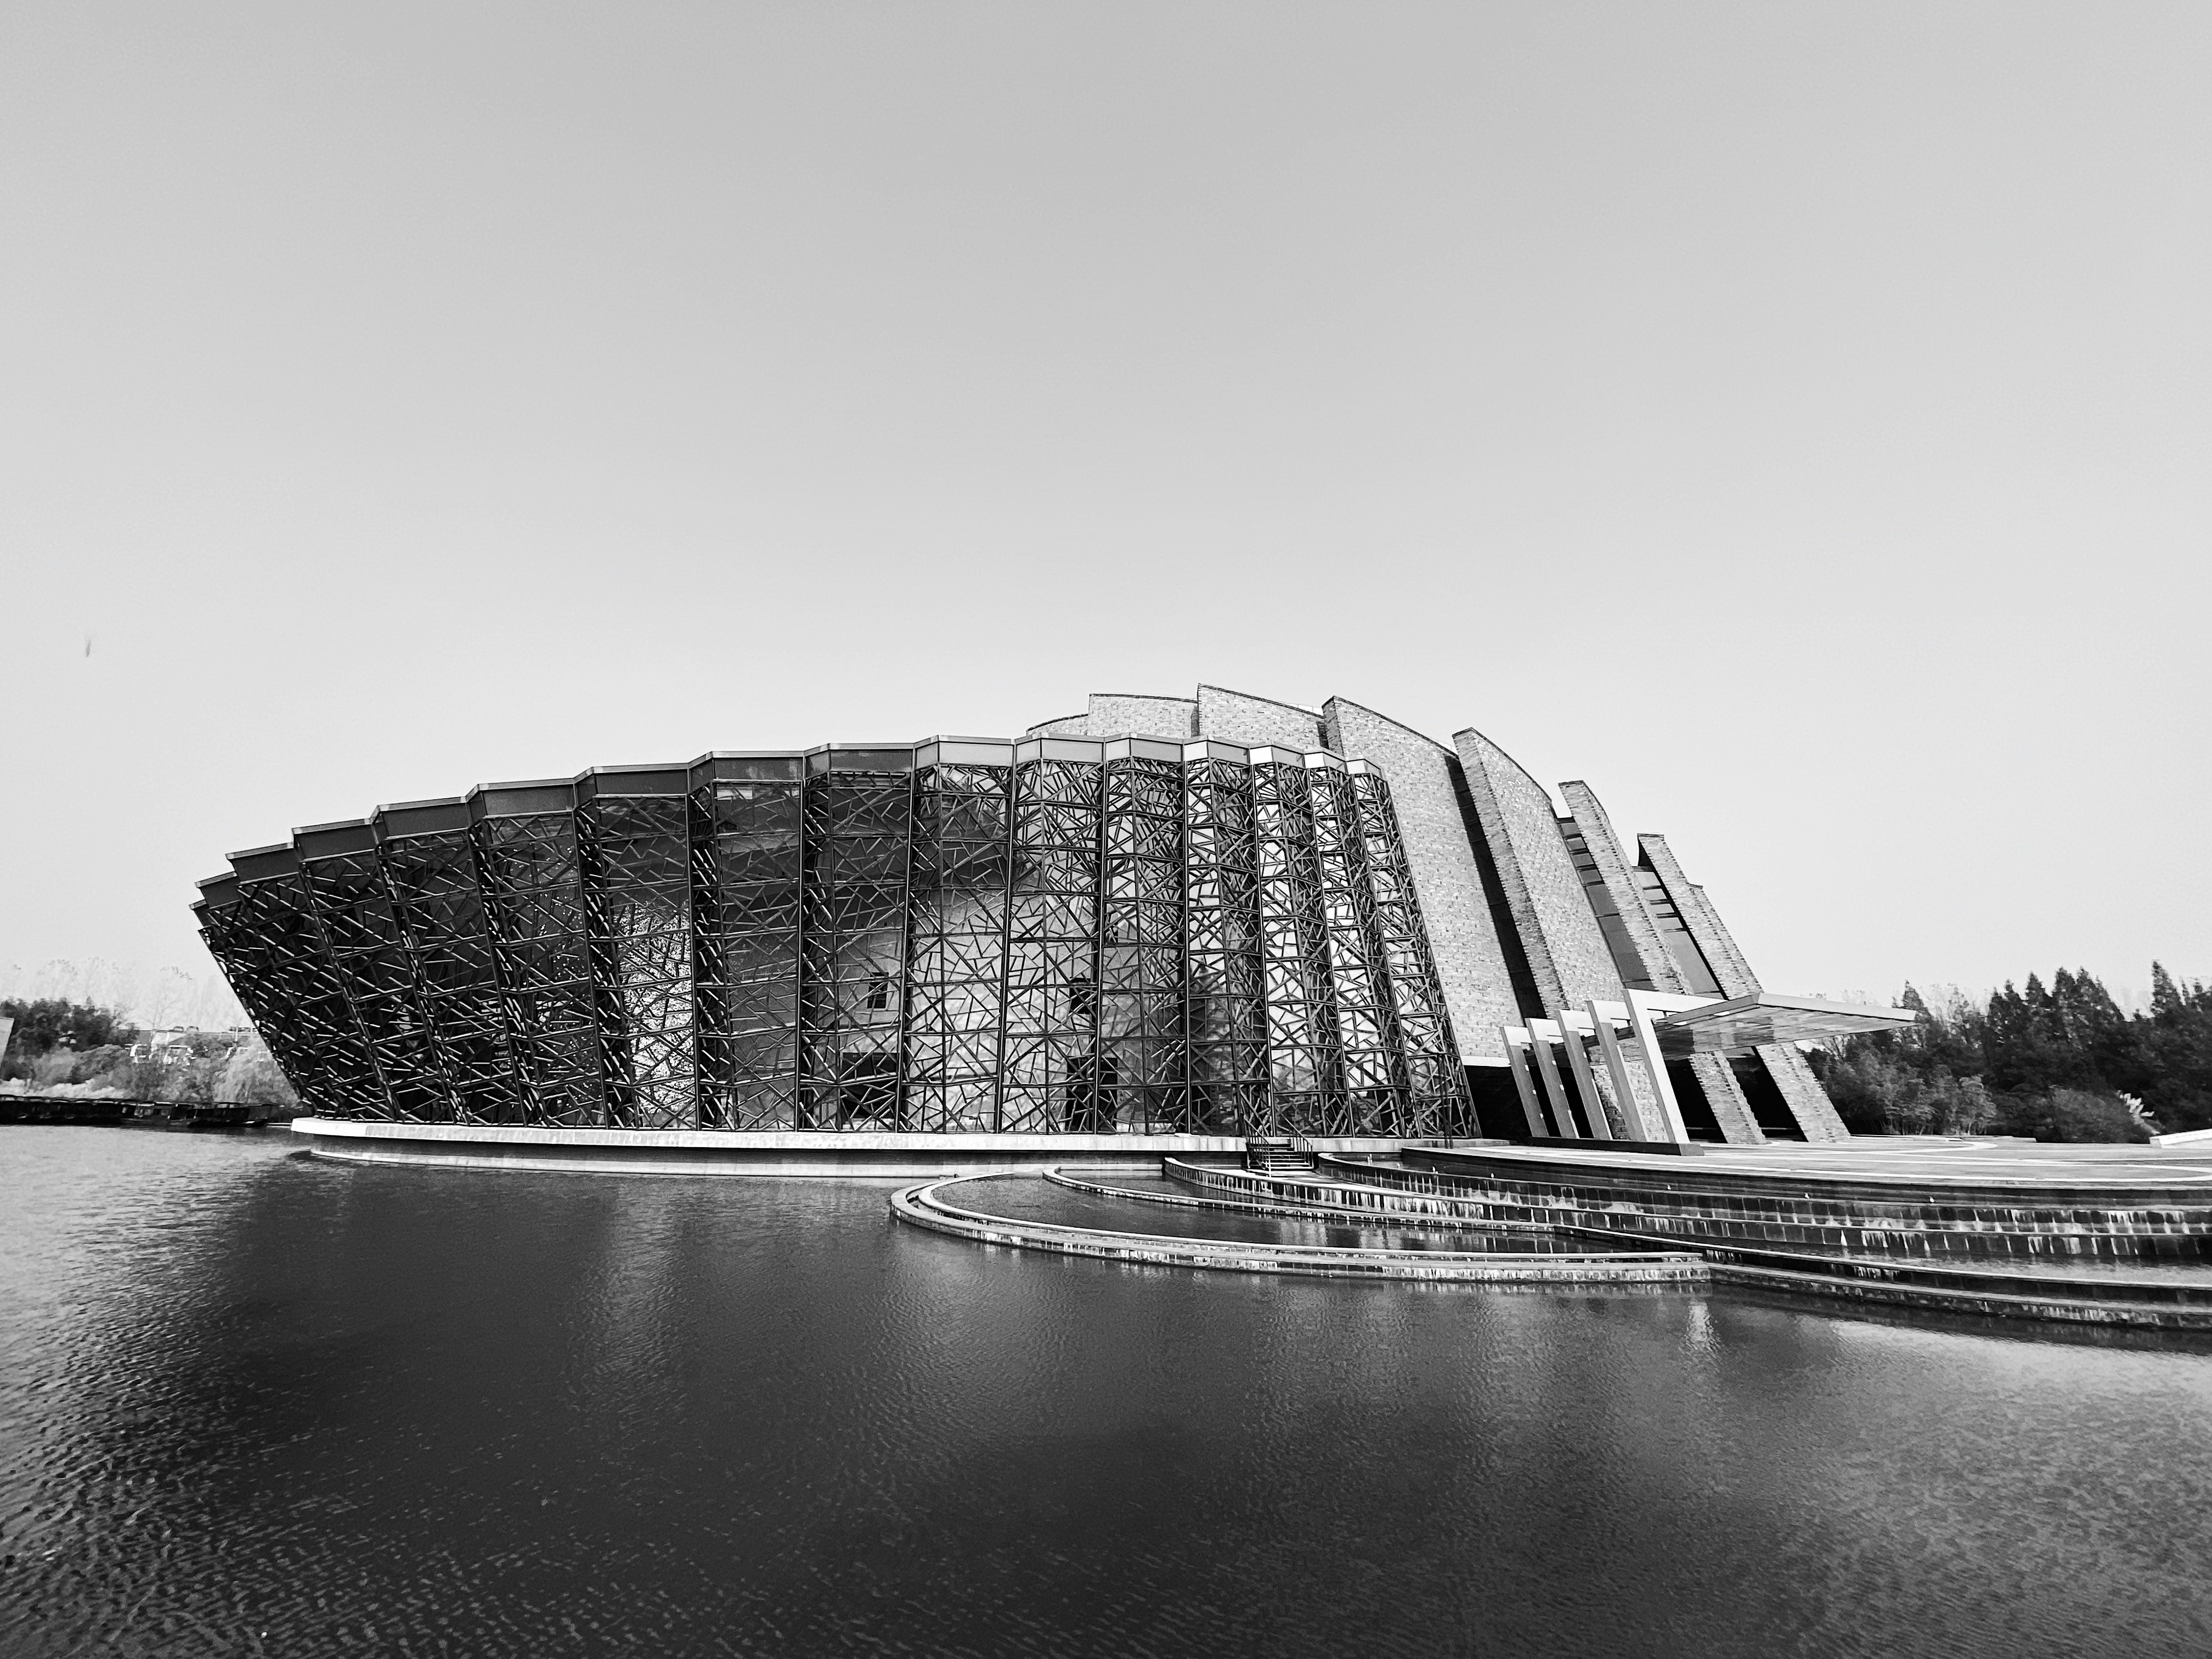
column 254, row 1403
column 1032, row 1198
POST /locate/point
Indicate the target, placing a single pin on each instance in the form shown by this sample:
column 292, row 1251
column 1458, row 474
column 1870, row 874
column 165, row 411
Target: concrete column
column 1655, row 1065
column 1540, row 1032
column 1517, row 1044
column 1633, row 1104
column 1595, row 1104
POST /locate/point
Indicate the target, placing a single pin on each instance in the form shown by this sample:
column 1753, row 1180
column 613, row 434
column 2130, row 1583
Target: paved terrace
column 2020, row 1171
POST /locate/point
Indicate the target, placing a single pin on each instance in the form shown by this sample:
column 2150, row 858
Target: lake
column 253, row 1402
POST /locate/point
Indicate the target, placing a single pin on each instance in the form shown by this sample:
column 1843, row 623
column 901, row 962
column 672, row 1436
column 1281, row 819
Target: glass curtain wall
column 368, row 953
column 429, row 869
column 1142, row 1075
column 634, row 847
column 1051, row 1067
column 859, row 810
column 525, row 844
column 955, row 962
column 747, row 861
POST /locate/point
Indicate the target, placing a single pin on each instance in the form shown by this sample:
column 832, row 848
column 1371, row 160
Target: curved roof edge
column 1489, row 748
column 1386, row 720
column 1230, row 691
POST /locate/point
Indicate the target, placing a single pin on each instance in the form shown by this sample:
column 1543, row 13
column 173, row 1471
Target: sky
column 1793, row 420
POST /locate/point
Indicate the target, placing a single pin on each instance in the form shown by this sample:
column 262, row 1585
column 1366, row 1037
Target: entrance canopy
column 1740, row 1024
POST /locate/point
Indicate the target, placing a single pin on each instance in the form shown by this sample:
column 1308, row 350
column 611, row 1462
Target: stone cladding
column 1731, row 1107
column 1809, row 1102
column 1785, row 1063
column 1114, row 714
column 1233, row 717
column 1566, row 948
column 1731, row 972
column 1652, row 957
column 1067, row 726
column 1470, row 961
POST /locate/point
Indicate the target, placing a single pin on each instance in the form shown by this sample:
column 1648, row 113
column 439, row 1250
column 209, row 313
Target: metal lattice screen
column 1052, row 937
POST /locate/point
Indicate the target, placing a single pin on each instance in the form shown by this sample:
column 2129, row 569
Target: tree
column 2050, row 1061
column 51, row 1023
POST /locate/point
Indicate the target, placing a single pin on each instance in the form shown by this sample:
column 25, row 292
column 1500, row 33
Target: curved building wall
column 1566, row 946
column 1058, row 934
column 1440, row 856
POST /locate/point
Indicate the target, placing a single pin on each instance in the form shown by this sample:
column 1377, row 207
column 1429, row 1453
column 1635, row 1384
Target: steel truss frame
column 1142, row 1073
column 270, row 999
column 859, row 812
column 272, row 929
column 1049, row 1076
column 1057, row 935
column 373, row 965
column 1225, row 999
column 633, row 852
column 1305, row 1060
column 1437, row 1099
column 747, row 865
column 429, row 867
column 1368, row 1047
column 527, row 856
column 953, row 1032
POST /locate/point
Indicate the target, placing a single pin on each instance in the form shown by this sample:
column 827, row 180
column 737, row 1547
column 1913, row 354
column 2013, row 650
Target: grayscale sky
column 1793, row 419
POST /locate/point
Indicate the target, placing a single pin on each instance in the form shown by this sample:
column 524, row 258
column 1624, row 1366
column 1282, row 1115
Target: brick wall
column 1470, row 963
column 1117, row 715
column 1566, row 947
column 1233, row 717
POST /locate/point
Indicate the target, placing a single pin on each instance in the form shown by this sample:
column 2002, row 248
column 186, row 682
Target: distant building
column 1217, row 914
column 170, row 1046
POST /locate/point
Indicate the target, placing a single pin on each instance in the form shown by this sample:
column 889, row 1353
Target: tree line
column 2055, row 1062
column 64, row 1048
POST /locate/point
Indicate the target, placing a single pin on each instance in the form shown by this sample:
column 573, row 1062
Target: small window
column 879, row 992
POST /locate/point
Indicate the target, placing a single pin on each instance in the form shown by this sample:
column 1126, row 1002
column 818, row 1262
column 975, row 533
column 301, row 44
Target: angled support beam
column 1637, row 1004
column 1593, row 1102
column 1517, row 1044
column 1543, row 1034
column 1633, row 1105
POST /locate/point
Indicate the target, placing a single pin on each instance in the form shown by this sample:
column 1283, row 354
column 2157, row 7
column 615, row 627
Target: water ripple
column 254, row 1403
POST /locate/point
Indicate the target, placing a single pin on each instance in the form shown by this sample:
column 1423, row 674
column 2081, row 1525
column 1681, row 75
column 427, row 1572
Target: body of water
column 251, row 1402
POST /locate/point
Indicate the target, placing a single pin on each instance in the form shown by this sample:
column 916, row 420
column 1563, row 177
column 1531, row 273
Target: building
column 1210, row 916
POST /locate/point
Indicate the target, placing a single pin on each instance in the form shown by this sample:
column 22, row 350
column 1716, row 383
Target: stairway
column 1279, row 1155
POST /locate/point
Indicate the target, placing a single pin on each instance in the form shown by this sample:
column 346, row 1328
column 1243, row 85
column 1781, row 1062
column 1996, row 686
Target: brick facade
column 1808, row 1101
column 1515, row 931
column 1470, row 961
column 1566, row 948
column 1233, row 717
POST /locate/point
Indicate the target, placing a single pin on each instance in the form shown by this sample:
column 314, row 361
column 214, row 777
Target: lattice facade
column 748, row 863
column 1057, row 935
column 1227, row 1002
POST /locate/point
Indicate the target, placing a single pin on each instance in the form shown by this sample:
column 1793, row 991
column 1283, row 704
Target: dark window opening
column 1498, row 1111
column 1768, row 1107
column 1690, row 1095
